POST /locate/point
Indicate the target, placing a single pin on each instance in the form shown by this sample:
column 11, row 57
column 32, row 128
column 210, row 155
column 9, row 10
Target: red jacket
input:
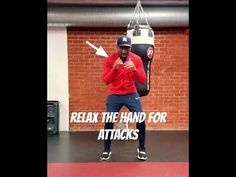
column 122, row 80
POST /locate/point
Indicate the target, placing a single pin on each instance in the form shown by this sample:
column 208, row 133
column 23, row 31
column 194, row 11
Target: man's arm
column 109, row 71
column 140, row 73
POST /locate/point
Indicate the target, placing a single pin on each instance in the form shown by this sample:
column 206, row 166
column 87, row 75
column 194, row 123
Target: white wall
column 57, row 73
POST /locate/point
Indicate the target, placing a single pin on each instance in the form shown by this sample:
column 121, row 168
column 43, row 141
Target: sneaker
column 141, row 154
column 105, row 155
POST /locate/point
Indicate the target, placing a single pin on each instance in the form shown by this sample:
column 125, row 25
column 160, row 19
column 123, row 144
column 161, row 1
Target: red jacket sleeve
column 140, row 73
column 108, row 72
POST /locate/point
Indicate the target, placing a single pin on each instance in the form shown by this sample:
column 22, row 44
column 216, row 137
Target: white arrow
column 100, row 50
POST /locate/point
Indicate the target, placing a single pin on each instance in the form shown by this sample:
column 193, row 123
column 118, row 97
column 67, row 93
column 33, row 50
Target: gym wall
column 169, row 75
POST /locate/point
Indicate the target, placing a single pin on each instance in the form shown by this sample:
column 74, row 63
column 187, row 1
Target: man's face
column 123, row 51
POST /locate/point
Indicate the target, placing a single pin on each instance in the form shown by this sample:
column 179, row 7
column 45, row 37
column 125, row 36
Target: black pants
column 132, row 101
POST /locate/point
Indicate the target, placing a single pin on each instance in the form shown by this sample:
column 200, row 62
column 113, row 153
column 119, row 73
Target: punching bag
column 142, row 40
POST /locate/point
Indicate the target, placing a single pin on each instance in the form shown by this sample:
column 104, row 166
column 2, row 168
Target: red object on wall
column 186, row 31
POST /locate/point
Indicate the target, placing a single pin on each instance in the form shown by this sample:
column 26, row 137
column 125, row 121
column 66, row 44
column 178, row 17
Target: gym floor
column 76, row 154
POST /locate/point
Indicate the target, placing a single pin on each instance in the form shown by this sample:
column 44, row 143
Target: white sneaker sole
column 140, row 158
column 109, row 156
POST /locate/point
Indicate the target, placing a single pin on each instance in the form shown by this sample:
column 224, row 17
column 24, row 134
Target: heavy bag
column 142, row 40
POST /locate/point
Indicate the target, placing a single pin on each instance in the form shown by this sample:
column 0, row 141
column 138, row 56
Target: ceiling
column 120, row 2
column 117, row 13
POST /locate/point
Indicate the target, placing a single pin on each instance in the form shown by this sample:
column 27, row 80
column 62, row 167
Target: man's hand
column 130, row 64
column 116, row 63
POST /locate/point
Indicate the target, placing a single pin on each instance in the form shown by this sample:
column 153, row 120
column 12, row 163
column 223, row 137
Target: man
column 121, row 69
